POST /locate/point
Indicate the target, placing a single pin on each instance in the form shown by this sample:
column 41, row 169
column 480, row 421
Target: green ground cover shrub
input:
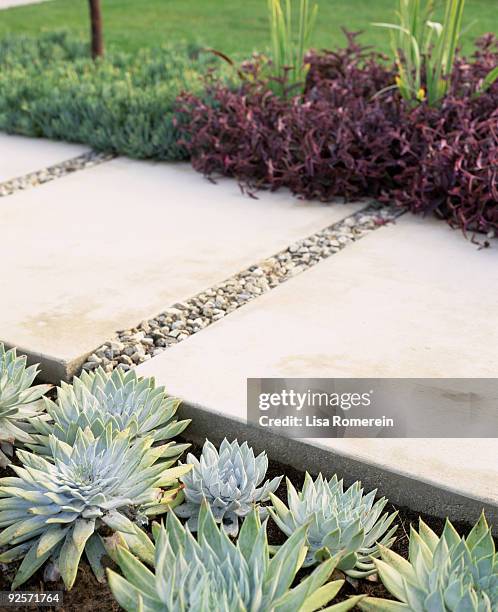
column 50, row 87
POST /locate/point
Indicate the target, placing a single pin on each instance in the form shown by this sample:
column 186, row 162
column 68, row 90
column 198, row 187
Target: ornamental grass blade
column 489, row 79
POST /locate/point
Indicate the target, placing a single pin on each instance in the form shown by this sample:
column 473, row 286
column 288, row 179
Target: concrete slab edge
column 52, row 369
column 399, row 488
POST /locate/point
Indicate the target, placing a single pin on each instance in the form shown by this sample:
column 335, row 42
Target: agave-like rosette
column 229, row 481
column 213, row 573
column 19, row 402
column 96, row 399
column 55, row 509
column 445, row 574
column 340, row 520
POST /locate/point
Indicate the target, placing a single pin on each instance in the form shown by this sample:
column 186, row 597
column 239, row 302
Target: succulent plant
column 19, row 401
column 97, row 398
column 213, row 573
column 443, row 574
column 341, row 521
column 55, row 510
column 228, row 480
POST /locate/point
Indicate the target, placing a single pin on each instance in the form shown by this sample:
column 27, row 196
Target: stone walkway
column 334, row 291
column 105, row 248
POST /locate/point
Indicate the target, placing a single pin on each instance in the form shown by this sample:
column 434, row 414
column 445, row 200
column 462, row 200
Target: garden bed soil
column 89, row 595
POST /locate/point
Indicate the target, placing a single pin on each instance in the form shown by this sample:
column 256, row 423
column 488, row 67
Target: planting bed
column 350, row 134
column 88, row 594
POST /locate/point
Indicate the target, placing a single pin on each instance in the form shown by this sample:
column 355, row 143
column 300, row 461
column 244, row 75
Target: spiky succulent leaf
column 229, row 480
column 19, row 401
column 57, row 507
column 122, row 399
column 345, row 522
column 448, row 573
column 212, row 573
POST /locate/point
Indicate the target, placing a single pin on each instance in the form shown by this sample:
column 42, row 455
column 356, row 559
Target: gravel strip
column 136, row 345
column 86, row 160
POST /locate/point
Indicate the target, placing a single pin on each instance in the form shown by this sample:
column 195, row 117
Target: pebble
column 90, row 365
column 176, row 312
column 177, row 323
column 95, row 359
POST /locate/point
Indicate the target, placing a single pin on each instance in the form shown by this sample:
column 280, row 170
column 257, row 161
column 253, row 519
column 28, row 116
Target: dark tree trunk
column 96, row 29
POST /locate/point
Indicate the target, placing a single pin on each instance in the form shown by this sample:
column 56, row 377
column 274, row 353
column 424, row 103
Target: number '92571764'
column 37, row 599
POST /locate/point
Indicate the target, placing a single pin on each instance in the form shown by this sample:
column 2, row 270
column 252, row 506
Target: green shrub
column 124, row 104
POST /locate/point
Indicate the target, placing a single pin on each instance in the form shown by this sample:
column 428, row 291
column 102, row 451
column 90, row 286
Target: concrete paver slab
column 410, row 300
column 103, row 249
column 20, row 155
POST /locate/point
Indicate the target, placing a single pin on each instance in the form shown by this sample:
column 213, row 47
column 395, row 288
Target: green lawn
column 227, row 25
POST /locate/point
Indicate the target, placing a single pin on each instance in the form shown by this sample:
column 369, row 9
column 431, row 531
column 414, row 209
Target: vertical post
column 96, row 29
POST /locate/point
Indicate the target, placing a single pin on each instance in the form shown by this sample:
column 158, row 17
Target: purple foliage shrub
column 451, row 152
column 350, row 134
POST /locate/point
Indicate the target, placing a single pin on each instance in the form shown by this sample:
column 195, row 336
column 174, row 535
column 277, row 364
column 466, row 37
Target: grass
column 228, row 25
